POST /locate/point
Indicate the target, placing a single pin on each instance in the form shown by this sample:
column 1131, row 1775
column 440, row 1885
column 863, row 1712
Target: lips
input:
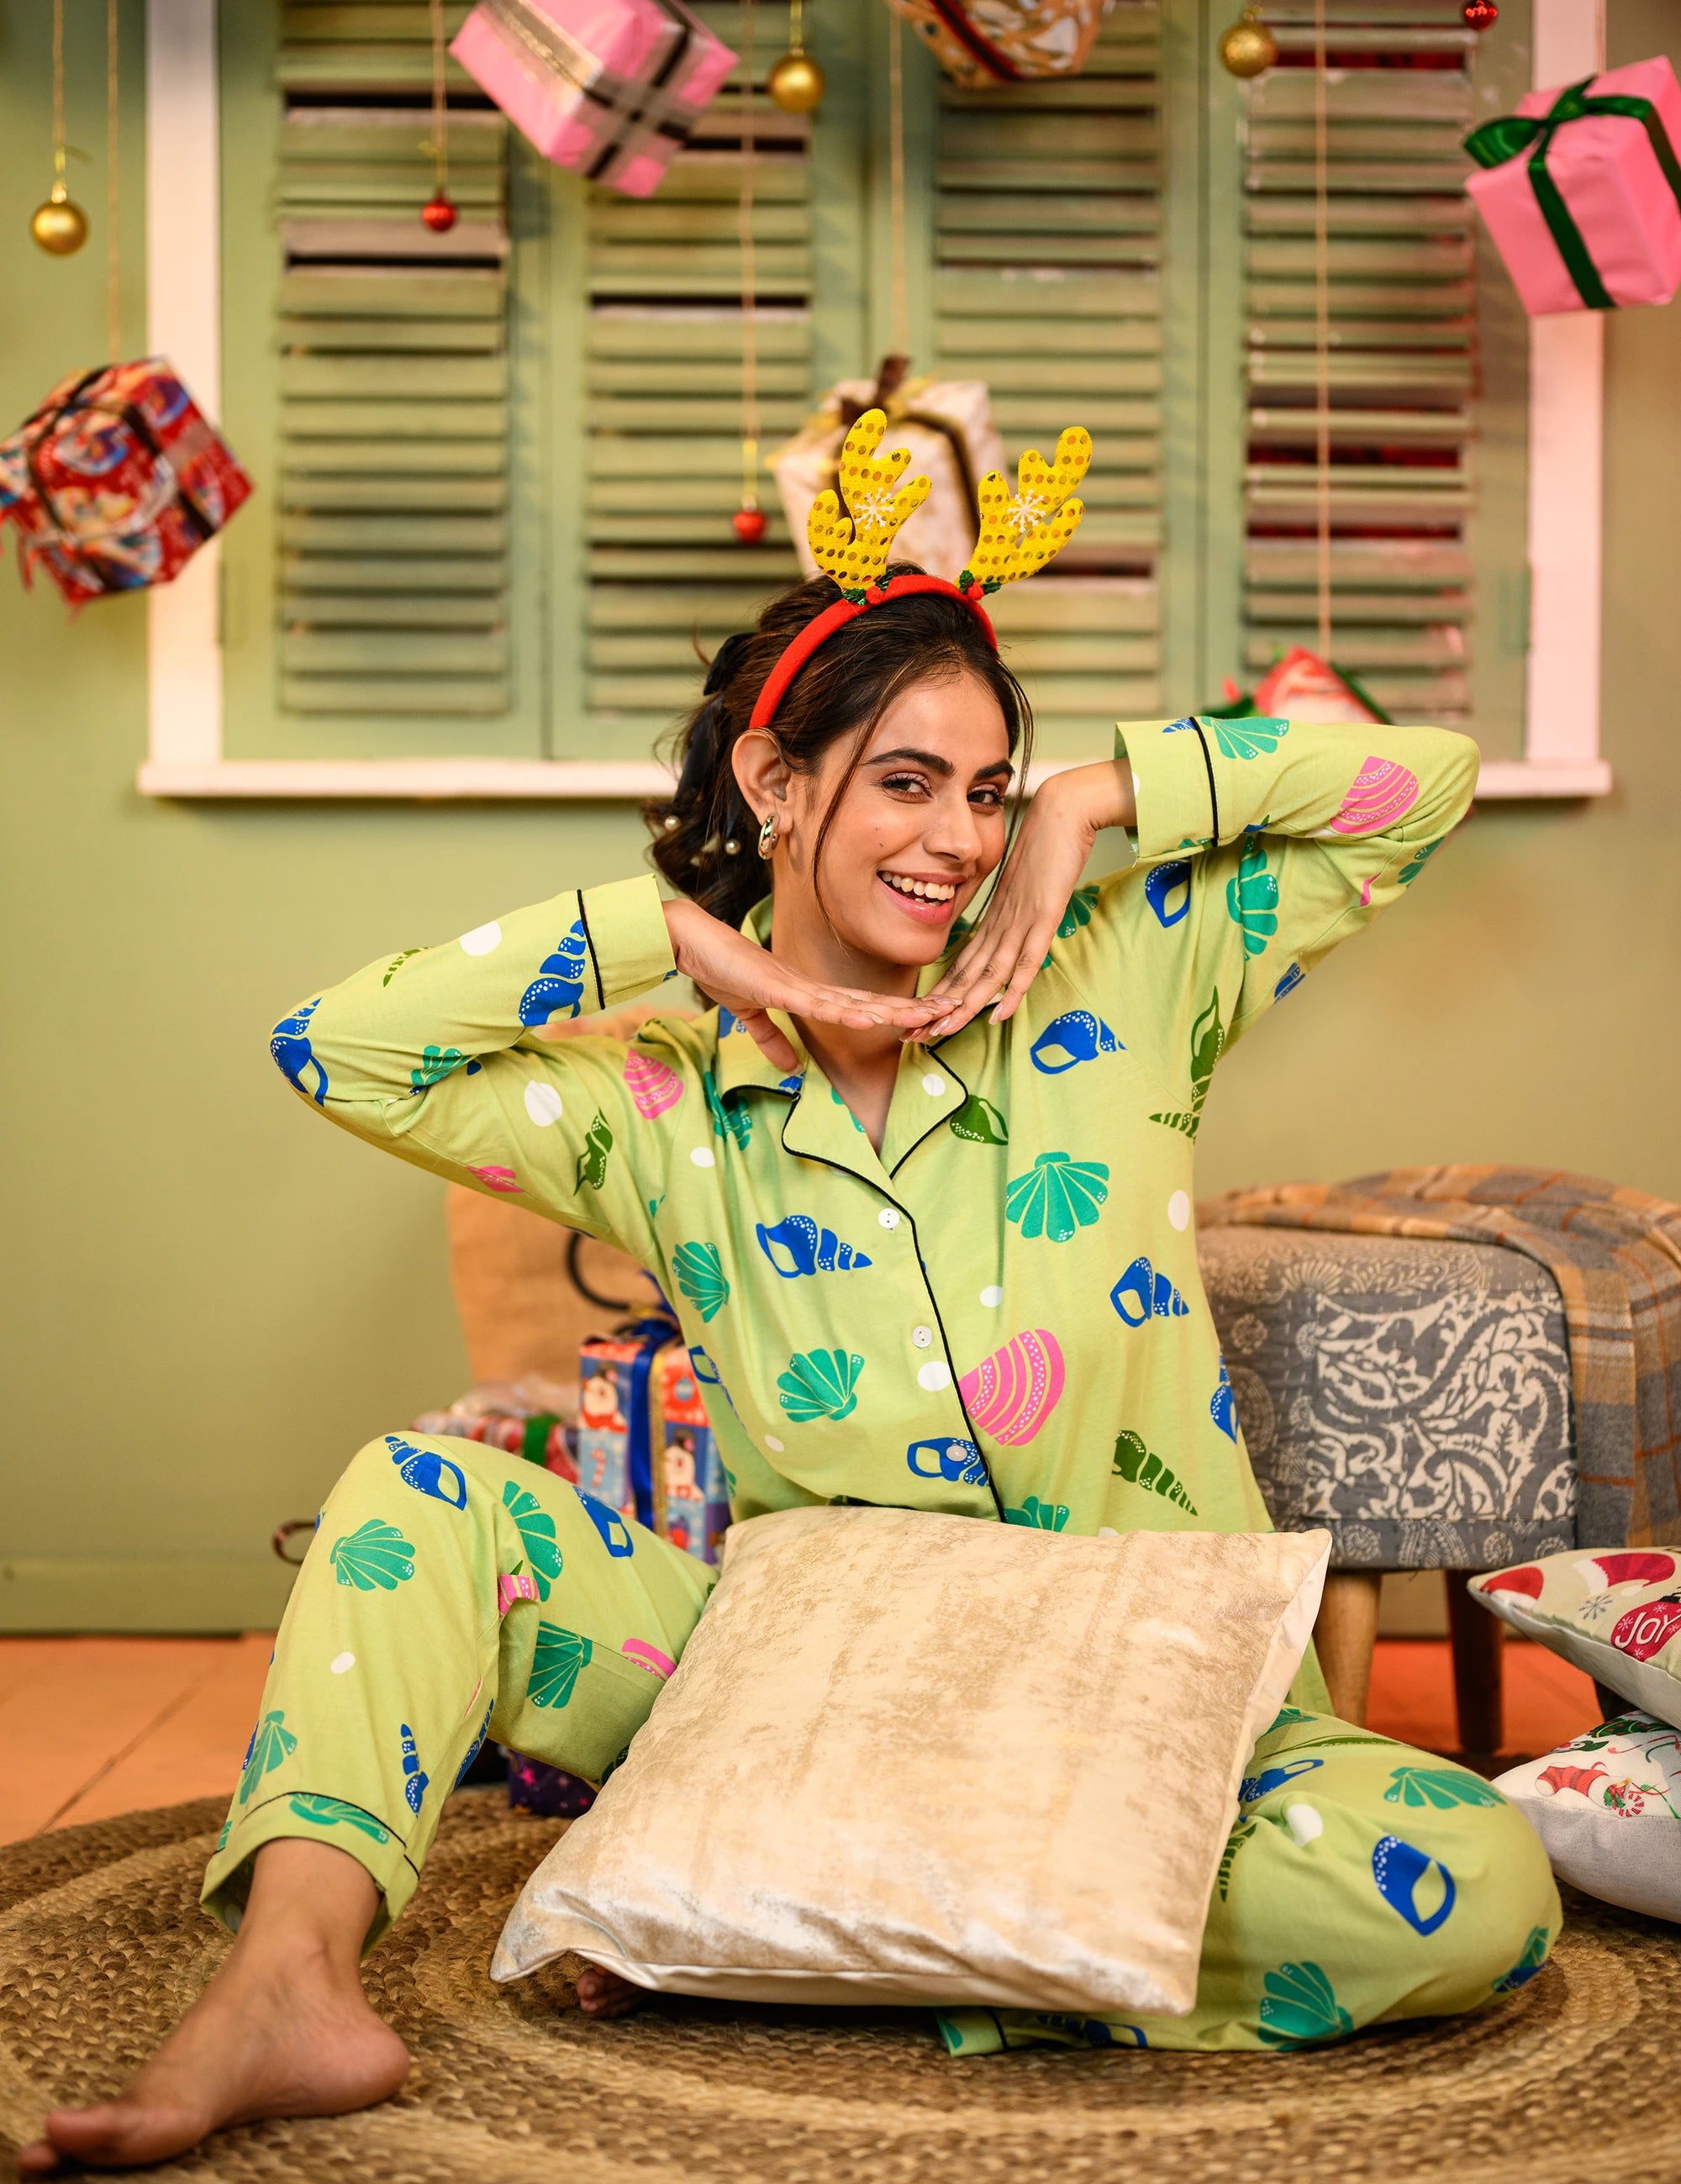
column 918, row 906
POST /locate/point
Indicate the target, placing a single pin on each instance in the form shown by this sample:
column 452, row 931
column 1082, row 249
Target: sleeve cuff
column 630, row 946
column 1169, row 784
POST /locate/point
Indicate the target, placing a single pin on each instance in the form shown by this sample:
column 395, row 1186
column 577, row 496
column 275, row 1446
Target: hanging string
column 59, row 189
column 1322, row 300
column 114, row 323
column 749, row 330
column 440, row 104
column 898, row 336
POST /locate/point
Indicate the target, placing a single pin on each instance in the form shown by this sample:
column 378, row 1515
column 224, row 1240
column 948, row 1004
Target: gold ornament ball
column 1248, row 48
column 59, row 226
column 796, row 84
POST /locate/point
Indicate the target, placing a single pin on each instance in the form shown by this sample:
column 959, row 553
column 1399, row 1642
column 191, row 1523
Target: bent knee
column 439, row 1467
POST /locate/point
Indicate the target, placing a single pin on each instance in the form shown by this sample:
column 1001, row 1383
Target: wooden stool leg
column 1345, row 1635
column 1478, row 1690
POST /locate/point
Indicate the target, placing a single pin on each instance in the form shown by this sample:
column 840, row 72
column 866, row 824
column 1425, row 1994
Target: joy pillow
column 1615, row 1613
column 910, row 1758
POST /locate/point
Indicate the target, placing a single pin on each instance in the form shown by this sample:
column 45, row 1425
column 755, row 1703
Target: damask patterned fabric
column 1412, row 1397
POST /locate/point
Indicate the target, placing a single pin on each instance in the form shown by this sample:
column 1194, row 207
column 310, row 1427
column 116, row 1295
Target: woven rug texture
column 101, row 1946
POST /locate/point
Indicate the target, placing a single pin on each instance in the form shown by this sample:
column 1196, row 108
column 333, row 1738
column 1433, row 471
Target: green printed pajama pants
column 453, row 1593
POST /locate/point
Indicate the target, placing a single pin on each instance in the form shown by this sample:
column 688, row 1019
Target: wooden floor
column 93, row 1726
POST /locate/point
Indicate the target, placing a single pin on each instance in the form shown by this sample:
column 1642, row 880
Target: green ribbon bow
column 1494, row 142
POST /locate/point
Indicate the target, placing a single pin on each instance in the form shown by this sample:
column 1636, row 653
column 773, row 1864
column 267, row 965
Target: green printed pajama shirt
column 453, row 1592
column 999, row 1314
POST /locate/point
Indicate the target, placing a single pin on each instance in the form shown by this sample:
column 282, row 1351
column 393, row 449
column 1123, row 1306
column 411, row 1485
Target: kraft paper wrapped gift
column 1581, row 190
column 980, row 43
column 610, row 88
column 909, row 1758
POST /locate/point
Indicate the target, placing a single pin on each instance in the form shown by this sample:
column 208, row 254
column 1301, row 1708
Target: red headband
column 823, row 627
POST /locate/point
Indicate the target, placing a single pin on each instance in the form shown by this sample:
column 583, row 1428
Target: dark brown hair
column 843, row 689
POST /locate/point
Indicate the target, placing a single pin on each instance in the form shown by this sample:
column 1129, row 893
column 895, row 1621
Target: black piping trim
column 940, row 1121
column 1214, row 800
column 595, row 959
column 906, row 1214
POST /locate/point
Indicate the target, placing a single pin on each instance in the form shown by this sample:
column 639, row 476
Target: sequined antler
column 854, row 547
column 1020, row 533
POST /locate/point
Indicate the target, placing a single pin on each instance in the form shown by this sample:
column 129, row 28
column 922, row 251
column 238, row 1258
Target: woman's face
column 918, row 829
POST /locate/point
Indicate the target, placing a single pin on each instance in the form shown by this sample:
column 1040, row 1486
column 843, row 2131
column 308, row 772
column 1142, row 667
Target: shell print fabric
column 427, row 1473
column 1011, row 1394
column 1252, row 900
column 558, row 987
column 698, row 1269
column 795, row 1245
column 1142, row 1294
column 1068, row 1039
column 375, row 1557
column 1135, row 1463
column 1058, row 1197
column 979, row 1123
column 1380, row 793
column 654, row 1086
column 820, row 1385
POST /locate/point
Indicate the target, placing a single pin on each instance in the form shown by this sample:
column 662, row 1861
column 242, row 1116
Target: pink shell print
column 1377, row 796
column 510, row 1588
column 1011, row 1393
column 1526, row 1580
column 649, row 1657
column 654, row 1087
column 499, row 1178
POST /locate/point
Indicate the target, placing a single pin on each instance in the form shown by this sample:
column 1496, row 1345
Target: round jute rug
column 101, row 1946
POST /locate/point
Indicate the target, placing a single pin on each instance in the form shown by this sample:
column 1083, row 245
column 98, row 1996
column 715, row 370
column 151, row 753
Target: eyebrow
column 935, row 764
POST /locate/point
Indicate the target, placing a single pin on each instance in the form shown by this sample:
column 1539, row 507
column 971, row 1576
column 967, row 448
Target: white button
column 774, row 1445
column 923, row 1337
column 1179, row 1210
column 888, row 1217
column 934, row 1084
column 935, row 1374
column 703, row 1156
column 992, row 1295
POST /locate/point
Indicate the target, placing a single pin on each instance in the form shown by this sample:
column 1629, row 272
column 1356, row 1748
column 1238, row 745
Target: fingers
column 996, row 969
column 771, row 1042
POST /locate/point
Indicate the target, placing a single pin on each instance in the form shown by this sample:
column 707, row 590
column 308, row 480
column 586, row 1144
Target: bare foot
column 282, row 2030
column 603, row 1993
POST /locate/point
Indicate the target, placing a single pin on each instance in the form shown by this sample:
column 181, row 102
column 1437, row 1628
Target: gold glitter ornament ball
column 796, row 84
column 59, row 226
column 1248, row 48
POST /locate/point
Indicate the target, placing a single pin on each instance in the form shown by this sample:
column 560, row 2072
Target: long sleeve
column 434, row 1054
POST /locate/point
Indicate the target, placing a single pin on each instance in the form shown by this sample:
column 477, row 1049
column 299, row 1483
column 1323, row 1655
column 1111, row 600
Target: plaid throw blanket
column 1616, row 1255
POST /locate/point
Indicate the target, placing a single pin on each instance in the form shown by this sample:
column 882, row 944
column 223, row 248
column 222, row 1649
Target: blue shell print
column 428, row 1472
column 414, row 1781
column 1068, row 1039
column 1223, row 1405
column 1142, row 1294
column 559, row 983
column 1058, row 1196
column 615, row 1532
column 1291, row 978
column 959, row 1460
column 1398, row 1868
column 795, row 1245
column 1167, row 889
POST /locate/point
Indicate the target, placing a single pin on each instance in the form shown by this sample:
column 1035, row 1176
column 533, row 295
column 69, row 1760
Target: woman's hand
column 748, row 980
column 1004, row 954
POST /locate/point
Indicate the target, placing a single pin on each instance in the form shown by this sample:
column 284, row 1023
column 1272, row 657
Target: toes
column 38, row 2159
column 117, row 2134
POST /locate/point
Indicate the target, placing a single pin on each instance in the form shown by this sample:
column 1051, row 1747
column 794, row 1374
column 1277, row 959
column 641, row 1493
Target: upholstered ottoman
column 1413, row 1398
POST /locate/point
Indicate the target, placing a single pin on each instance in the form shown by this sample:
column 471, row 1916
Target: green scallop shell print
column 334, row 1813
column 1300, row 2003
column 1134, row 1463
column 1039, row 1516
column 820, row 1383
column 1081, row 905
column 555, row 1665
column 271, row 1743
column 1207, row 1041
column 374, row 1557
column 734, row 1122
column 1440, row 1787
column 536, row 1529
column 979, row 1123
column 1252, row 900
column 1058, row 1196
column 700, row 1275
column 1247, row 740
column 1234, row 1842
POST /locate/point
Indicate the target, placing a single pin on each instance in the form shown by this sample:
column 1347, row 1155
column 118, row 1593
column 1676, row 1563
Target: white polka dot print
column 482, row 939
column 992, row 1296
column 1179, row 1210
column 341, row 1662
column 542, row 1103
column 934, row 1084
column 704, row 1157
column 934, row 1375
column 774, row 1445
column 1306, row 1823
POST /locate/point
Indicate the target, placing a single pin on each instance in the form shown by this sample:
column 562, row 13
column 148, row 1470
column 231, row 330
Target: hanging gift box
column 1581, row 190
column 116, row 481
column 609, row 88
column 980, row 43
column 948, row 425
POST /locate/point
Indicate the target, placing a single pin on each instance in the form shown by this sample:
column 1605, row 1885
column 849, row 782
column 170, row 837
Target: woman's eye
column 901, row 783
column 987, row 799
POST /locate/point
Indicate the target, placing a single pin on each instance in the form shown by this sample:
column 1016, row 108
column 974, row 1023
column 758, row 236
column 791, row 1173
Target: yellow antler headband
column 1020, row 533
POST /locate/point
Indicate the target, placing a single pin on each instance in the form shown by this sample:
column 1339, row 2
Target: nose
column 953, row 827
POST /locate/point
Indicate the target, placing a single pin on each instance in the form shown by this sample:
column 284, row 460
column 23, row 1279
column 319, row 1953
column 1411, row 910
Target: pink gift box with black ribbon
column 1581, row 190
column 610, row 88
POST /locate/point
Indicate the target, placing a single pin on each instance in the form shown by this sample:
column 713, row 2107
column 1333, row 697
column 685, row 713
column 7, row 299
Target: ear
column 761, row 770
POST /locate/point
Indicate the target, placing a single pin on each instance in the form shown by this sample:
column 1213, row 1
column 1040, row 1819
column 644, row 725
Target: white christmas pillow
column 1608, row 1808
column 910, row 1758
column 1613, row 1612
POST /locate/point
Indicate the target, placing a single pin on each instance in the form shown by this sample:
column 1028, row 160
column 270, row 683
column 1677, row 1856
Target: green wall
column 210, row 1300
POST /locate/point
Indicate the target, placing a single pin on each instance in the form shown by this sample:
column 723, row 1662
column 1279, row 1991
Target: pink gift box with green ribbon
column 1581, row 190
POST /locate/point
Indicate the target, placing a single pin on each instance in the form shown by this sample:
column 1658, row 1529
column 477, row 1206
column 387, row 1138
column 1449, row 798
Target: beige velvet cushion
column 917, row 1757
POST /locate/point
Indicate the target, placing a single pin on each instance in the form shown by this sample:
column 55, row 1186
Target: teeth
column 927, row 890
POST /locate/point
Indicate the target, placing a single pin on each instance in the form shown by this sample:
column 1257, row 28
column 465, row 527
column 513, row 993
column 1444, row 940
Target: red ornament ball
column 749, row 524
column 1480, row 14
column 438, row 214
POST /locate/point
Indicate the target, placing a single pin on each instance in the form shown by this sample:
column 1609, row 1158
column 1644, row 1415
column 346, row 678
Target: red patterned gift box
column 117, row 481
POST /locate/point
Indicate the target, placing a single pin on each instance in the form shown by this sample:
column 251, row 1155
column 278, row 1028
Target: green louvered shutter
column 1425, row 369
column 394, row 477
column 663, row 403
column 1048, row 203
